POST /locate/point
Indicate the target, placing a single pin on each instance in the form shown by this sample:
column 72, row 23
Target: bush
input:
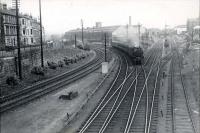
column 66, row 60
column 52, row 65
column 38, row 70
column 87, row 47
column 12, row 80
column 60, row 63
column 74, row 59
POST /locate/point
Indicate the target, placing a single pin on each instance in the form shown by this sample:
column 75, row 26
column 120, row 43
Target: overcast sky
column 62, row 15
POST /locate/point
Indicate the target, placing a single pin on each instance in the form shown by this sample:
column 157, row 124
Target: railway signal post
column 105, row 63
column 105, row 47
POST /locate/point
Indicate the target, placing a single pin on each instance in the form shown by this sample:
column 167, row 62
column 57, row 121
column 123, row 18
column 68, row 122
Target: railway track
column 143, row 113
column 179, row 114
column 30, row 93
column 114, row 88
column 111, row 114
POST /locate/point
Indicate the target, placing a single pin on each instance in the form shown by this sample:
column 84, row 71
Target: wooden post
column 18, row 41
column 41, row 40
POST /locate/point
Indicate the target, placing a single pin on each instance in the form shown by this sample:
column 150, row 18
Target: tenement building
column 191, row 23
column 29, row 28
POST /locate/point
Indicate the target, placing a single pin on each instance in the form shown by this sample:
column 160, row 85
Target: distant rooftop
column 12, row 12
column 105, row 28
column 181, row 26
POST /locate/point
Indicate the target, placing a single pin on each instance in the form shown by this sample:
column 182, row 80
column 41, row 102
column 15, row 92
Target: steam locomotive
column 166, row 43
column 136, row 53
column 127, row 39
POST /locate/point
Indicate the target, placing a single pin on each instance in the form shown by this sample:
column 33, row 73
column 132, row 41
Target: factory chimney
column 129, row 20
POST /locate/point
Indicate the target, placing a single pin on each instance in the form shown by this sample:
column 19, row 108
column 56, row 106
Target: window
column 31, row 31
column 14, row 41
column 31, row 40
column 7, row 30
column 24, row 40
column 23, row 22
column 24, row 31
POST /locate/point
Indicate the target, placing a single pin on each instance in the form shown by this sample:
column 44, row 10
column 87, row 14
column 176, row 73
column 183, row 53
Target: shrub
column 38, row 70
column 87, row 47
column 60, row 63
column 74, row 59
column 52, row 65
column 12, row 80
column 66, row 60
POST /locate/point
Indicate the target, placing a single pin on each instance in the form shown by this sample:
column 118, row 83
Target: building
column 91, row 33
column 2, row 44
column 124, row 33
column 29, row 28
column 98, row 24
column 8, row 27
column 180, row 29
column 191, row 23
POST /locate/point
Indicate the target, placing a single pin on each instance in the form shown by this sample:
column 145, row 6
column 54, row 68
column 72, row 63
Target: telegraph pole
column 75, row 40
column 18, row 41
column 199, row 48
column 82, row 31
column 199, row 19
column 105, row 47
column 41, row 40
column 127, row 31
column 165, row 30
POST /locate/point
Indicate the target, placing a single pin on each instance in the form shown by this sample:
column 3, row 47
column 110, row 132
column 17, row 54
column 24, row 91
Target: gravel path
column 50, row 114
column 75, row 124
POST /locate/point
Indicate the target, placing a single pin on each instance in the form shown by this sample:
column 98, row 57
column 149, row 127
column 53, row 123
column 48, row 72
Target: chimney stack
column 4, row 6
column 130, row 20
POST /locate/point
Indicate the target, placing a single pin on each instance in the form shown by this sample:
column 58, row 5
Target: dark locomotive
column 135, row 53
column 166, row 43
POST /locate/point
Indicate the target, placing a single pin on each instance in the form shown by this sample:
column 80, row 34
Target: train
column 166, row 43
column 128, row 40
column 135, row 53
